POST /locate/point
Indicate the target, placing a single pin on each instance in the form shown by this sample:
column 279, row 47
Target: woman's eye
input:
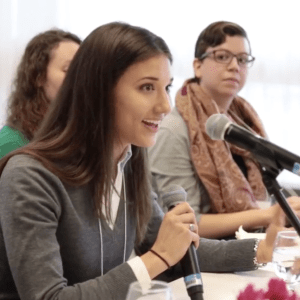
column 147, row 87
column 243, row 60
column 168, row 88
column 222, row 57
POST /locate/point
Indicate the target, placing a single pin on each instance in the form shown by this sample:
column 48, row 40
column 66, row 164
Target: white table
column 227, row 286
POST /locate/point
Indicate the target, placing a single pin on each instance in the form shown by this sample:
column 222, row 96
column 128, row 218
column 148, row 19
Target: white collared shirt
column 135, row 262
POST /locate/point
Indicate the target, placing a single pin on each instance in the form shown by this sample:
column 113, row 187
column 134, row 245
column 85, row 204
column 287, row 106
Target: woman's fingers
column 294, row 203
column 178, row 230
column 182, row 208
column 196, row 239
column 192, row 227
column 195, row 236
column 278, row 216
column 187, row 218
column 278, row 222
column 184, row 214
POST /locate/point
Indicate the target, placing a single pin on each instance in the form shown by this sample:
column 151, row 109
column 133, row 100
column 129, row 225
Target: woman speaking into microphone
column 76, row 201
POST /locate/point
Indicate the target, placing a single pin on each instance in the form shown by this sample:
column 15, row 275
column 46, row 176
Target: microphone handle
column 191, row 271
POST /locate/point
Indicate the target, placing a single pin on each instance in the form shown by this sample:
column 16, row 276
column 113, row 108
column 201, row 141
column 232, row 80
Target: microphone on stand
column 219, row 127
column 272, row 158
column 189, row 263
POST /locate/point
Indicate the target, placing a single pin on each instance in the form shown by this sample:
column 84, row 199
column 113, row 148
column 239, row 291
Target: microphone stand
column 269, row 178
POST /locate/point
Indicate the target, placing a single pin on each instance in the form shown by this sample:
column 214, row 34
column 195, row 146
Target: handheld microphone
column 189, row 263
column 219, row 127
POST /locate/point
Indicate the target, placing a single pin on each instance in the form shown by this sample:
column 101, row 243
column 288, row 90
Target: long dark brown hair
column 76, row 139
column 28, row 102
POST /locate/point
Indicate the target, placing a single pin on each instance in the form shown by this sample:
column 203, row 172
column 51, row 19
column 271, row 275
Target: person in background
column 222, row 181
column 77, row 200
column 39, row 76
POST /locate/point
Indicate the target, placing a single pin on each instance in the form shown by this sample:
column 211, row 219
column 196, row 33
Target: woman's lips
column 232, row 80
column 152, row 124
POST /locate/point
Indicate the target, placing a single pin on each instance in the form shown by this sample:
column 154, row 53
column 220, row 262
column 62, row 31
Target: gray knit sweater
column 50, row 243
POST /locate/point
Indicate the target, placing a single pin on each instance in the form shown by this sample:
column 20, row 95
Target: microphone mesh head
column 174, row 195
column 216, row 126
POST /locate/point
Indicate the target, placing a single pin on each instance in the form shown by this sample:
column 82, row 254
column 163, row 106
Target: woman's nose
column 164, row 106
column 234, row 64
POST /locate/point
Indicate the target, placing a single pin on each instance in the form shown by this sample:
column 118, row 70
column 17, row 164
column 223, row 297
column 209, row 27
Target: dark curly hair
column 27, row 101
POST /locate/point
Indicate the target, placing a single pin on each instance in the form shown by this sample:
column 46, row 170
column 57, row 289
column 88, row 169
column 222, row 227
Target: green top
column 11, row 139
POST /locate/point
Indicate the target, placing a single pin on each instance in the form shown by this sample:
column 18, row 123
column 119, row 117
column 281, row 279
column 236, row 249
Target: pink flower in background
column 251, row 294
column 276, row 291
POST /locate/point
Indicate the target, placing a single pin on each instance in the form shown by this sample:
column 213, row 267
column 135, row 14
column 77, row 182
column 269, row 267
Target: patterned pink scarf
column 224, row 181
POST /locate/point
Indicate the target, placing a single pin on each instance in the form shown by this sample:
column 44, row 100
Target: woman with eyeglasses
column 223, row 182
column 76, row 201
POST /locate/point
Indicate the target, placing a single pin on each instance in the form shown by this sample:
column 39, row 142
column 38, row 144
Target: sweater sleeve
column 30, row 211
column 216, row 256
column 220, row 256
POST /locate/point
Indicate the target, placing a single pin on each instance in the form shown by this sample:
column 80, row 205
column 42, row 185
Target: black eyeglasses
column 225, row 57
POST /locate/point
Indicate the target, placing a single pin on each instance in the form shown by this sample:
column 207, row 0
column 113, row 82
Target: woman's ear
column 197, row 67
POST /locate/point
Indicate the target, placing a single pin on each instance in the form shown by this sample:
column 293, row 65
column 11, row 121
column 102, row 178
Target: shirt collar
column 125, row 157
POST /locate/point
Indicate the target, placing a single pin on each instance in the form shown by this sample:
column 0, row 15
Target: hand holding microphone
column 175, row 234
column 179, row 239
